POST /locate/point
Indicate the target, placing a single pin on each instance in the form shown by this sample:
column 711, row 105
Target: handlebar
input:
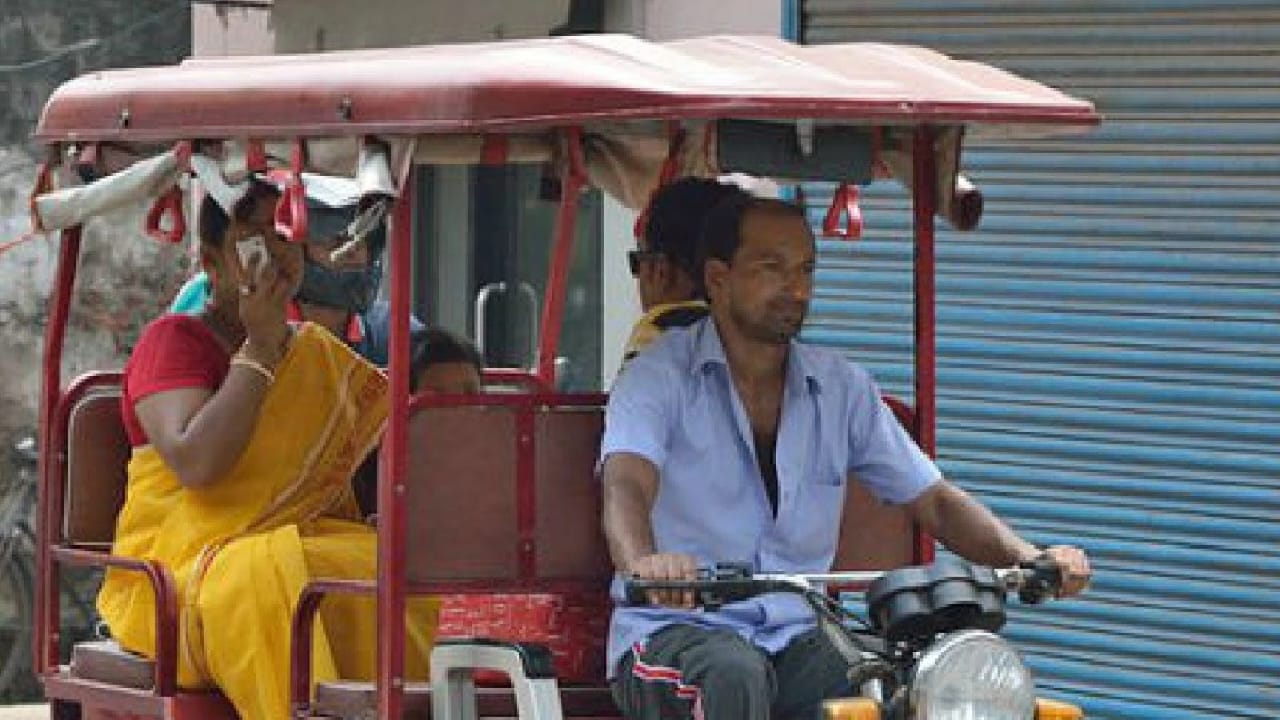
column 1034, row 582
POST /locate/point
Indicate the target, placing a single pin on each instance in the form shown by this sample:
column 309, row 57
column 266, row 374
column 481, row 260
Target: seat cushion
column 105, row 661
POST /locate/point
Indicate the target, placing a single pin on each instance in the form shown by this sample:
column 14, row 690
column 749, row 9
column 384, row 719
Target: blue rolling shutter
column 1109, row 338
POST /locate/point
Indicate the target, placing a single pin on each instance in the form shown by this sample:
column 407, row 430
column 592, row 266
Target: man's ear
column 714, row 273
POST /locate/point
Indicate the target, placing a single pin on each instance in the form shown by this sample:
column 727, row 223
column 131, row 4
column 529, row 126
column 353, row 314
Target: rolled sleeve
column 881, row 453
column 638, row 418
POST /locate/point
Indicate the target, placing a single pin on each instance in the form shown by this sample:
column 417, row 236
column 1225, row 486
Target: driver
column 731, row 441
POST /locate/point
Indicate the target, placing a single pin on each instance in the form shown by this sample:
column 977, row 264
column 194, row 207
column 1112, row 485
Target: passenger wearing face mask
column 337, row 292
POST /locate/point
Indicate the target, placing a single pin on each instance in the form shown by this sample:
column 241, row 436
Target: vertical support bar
column 392, row 582
column 791, row 20
column 924, row 203
column 526, row 491
column 48, row 621
column 572, row 178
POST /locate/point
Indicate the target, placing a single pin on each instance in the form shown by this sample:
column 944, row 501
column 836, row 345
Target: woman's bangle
column 255, row 366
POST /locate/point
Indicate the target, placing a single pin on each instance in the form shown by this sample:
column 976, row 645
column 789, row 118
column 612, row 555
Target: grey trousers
column 685, row 671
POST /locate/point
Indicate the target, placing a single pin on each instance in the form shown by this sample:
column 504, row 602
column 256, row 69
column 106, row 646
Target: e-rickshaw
column 487, row 498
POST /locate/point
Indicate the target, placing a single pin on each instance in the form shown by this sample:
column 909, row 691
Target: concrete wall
column 310, row 25
column 674, row 19
column 124, row 279
column 218, row 30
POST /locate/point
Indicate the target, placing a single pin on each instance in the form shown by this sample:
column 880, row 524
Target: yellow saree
column 242, row 549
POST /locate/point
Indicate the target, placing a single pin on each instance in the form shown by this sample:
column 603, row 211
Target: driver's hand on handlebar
column 667, row 566
column 1074, row 565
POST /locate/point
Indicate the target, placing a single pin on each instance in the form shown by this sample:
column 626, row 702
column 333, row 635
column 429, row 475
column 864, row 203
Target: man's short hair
column 722, row 232
column 677, row 214
column 434, row 346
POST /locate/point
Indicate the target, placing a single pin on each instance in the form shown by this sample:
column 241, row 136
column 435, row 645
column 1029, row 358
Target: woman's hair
column 434, row 346
column 214, row 220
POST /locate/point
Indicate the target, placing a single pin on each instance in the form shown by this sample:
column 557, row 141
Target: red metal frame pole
column 924, row 203
column 391, row 477
column 48, row 621
column 572, row 178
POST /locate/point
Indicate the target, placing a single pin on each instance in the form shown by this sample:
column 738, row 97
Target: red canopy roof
column 532, row 84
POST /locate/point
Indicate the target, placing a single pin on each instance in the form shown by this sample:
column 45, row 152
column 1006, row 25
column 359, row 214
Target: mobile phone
column 252, row 247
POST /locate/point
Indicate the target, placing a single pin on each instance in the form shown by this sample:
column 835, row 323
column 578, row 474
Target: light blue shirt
column 675, row 405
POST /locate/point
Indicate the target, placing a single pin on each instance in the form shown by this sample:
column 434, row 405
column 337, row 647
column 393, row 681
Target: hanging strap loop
column 169, row 204
column 845, row 200
column 44, row 184
column 255, row 156
column 291, row 209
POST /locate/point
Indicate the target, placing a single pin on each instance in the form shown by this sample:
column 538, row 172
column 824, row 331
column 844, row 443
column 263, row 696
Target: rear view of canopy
column 530, row 85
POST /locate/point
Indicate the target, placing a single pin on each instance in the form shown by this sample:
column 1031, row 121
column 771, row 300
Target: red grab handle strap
column 169, row 204
column 44, row 183
column 291, row 209
column 844, row 200
column 255, row 159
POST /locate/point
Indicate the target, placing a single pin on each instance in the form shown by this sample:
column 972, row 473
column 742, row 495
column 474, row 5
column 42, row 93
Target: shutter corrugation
column 1109, row 338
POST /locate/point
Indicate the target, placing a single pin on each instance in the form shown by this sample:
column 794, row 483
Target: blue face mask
column 347, row 288
column 350, row 289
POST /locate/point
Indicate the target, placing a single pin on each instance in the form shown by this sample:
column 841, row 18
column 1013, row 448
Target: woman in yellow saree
column 245, row 434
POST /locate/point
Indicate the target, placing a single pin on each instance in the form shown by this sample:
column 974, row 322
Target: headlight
column 972, row 675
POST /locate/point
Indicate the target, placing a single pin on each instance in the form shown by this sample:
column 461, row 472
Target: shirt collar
column 658, row 311
column 709, row 350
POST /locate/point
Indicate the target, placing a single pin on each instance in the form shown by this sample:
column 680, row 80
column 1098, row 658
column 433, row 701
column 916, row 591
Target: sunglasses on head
column 635, row 257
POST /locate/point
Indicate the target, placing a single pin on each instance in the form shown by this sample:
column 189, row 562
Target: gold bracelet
column 255, row 366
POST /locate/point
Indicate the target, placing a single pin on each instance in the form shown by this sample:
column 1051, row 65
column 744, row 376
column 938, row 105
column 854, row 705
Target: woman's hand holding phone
column 263, row 298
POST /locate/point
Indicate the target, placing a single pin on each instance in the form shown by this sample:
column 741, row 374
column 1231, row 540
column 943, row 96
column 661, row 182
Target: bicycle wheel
column 17, row 618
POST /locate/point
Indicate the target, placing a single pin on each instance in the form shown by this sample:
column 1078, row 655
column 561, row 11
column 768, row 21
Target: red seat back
column 97, row 453
column 506, row 495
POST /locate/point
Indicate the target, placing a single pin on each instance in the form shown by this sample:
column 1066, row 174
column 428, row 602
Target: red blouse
column 175, row 351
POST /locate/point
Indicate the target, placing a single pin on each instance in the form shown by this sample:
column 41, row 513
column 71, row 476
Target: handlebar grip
column 1043, row 582
column 636, row 592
